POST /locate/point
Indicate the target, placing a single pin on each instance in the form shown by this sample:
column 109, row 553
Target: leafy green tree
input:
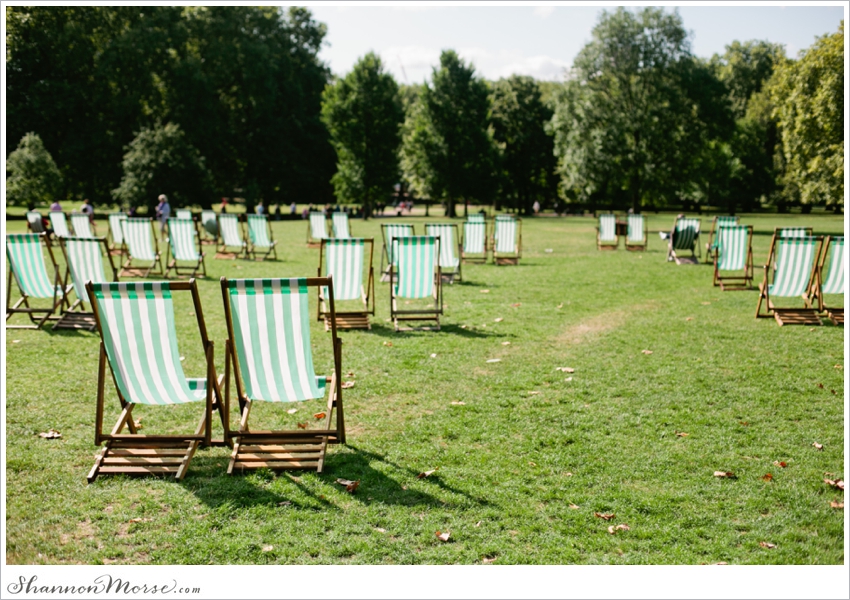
column 31, row 175
column 163, row 161
column 744, row 68
column 363, row 113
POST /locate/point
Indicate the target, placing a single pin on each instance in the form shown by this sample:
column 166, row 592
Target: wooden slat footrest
column 350, row 322
column 514, row 260
column 836, row 315
column 796, row 316
column 276, row 465
column 137, row 461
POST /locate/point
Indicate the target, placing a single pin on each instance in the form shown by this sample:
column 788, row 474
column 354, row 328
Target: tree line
column 223, row 101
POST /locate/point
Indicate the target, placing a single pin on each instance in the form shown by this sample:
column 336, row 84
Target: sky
column 540, row 41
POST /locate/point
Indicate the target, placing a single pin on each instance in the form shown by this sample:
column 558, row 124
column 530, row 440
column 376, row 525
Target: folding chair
column 388, row 232
column 269, row 356
column 733, row 251
column 507, row 240
column 183, row 213
column 418, row 277
column 474, row 241
column 834, row 281
column 59, row 223
column 35, row 224
column 210, row 223
column 138, row 246
column 795, row 260
column 606, row 233
column 476, row 218
column 139, row 342
column 116, row 233
column 317, row 229
column 792, row 232
column 340, row 225
column 26, row 265
column 636, row 237
column 231, row 236
column 343, row 259
column 260, row 236
column 716, row 223
column 84, row 260
column 684, row 236
column 81, row 225
column 449, row 249
column 182, row 247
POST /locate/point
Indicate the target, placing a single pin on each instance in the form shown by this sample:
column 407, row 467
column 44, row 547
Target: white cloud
column 543, row 11
column 539, row 67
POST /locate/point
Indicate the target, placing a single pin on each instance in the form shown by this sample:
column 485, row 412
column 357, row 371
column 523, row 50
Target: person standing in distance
column 163, row 211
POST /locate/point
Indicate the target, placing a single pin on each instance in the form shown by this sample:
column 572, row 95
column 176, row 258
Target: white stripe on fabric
column 59, row 223
column 834, row 283
column 318, row 226
column 635, row 233
column 607, row 228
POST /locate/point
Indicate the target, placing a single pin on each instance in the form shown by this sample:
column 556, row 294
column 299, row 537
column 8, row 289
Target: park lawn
column 526, row 458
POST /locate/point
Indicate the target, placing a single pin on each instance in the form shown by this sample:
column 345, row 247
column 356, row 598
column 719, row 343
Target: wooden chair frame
column 796, row 316
column 397, row 314
column 81, row 319
column 131, row 270
column 509, row 259
column 281, row 449
column 350, row 319
column 60, row 295
column 736, row 282
column 185, row 270
column 141, row 454
column 709, row 251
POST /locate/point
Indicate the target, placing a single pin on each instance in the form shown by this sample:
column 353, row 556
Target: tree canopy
column 31, row 175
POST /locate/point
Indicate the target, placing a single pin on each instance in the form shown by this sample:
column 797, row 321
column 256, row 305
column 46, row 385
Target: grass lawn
column 526, row 456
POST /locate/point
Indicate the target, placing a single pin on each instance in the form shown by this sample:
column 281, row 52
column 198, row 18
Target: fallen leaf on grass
column 498, row 320
column 268, row 548
column 388, row 343
column 568, row 379
column 689, row 319
column 50, row 435
column 506, row 343
column 566, row 369
column 433, row 356
column 561, row 305
column 767, row 477
column 350, row 486
column 139, row 520
column 443, row 536
column 516, row 304
column 767, row 545
column 458, row 403
column 532, row 464
column 487, row 561
column 837, row 484
column 606, row 516
column 19, row 341
column 833, row 392
column 182, row 358
column 478, row 524
column 347, row 385
column 285, row 503
column 621, row 527
column 681, row 434
column 744, row 423
column 574, row 506
column 463, row 326
column 319, row 415
column 835, row 504
column 839, row 367
column 494, row 360
column 292, row 411
column 549, row 250
column 647, row 352
column 485, row 291
column 533, row 393
column 779, row 463
column 351, row 374
column 706, row 303
column 817, row 446
column 820, row 386
column 427, row 473
column 568, row 474
column 302, row 425
column 728, row 474
column 380, row 529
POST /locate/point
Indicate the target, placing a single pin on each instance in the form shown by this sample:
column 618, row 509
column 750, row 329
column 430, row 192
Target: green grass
column 511, row 462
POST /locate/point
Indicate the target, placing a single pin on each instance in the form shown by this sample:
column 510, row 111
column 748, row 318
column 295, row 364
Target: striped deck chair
column 139, row 343
column 388, row 232
column 35, row 224
column 317, row 229
column 232, row 236
column 81, row 225
column 140, row 244
column 183, row 213
column 84, row 260
column 116, row 232
column 636, row 236
column 418, row 277
column 449, row 249
column 733, row 251
column 833, row 283
column 59, row 223
column 684, row 236
column 474, row 241
column 476, row 218
column 793, row 232
column 182, row 247
column 716, row 223
column 26, row 265
column 507, row 240
column 606, row 233
column 269, row 356
column 260, row 237
column 795, row 260
column 344, row 260
column 210, row 222
column 340, row 225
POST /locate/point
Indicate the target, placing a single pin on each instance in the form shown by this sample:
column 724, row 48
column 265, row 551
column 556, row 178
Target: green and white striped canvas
column 635, row 233
column 793, row 232
column 85, row 262
column 505, row 234
column 686, row 232
column 833, row 283
column 318, row 226
column 722, row 221
column 340, row 224
column 344, row 261
column 794, row 261
column 210, row 222
column 183, row 213
column 181, row 236
column 395, row 231
column 115, row 227
column 228, row 226
column 607, row 228
column 138, row 332
column 271, row 327
column 258, row 229
column 59, row 223
column 35, row 222
column 448, row 247
column 732, row 245
column 475, row 218
column 26, row 260
column 137, row 235
column 474, row 235
column 82, row 226
column 416, row 264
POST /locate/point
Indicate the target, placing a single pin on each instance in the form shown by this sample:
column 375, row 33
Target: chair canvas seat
column 260, row 237
column 794, row 265
column 140, row 245
column 84, row 260
column 317, row 229
column 183, row 213
column 832, row 283
column 449, row 249
column 474, row 240
column 716, row 223
column 507, row 240
column 34, row 222
column 81, row 225
column 606, row 233
column 343, row 259
column 340, row 225
column 636, row 234
column 733, row 252
column 26, row 266
column 231, row 237
column 116, row 232
column 418, row 277
column 59, row 223
column 388, row 232
column 684, row 236
column 209, row 220
column 182, row 234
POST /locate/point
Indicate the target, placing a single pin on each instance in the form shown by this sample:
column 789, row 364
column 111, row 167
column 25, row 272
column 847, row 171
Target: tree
column 744, row 68
column 808, row 95
column 31, row 175
column 162, row 160
column 363, row 113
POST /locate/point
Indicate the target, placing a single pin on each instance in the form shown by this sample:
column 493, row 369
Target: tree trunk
column 450, row 208
column 465, row 208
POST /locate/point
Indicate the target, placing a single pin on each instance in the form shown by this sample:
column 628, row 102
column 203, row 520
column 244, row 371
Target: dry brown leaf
column 568, row 474
column 351, row 374
column 817, row 446
column 139, row 520
column 494, row 360
column 302, row 425
column 744, row 423
column 388, row 343
column 647, row 352
column 532, row 464
column 835, row 504
column 443, row 536
column 573, row 506
column 50, row 435
column 319, row 415
column 568, row 379
column 561, row 305
column 839, row 366
column 350, row 486
column 728, row 474
column 347, row 385
column 689, row 318
column 820, row 386
column 506, row 343
column 833, row 392
column 565, row 369
column 427, row 473
column 463, row 326
column 268, row 548
column 767, row 477
column 621, row 527
column 681, row 434
column 380, row 529
column 478, row 524
column 706, row 303
column 292, row 411
column 534, row 393
column 606, row 516
column 498, row 320
column 779, row 463
column 488, row 561
column 485, row 291
column 458, row 403
column 767, row 545
column 837, row 484
column 16, row 341
column 285, row 503
column 516, row 304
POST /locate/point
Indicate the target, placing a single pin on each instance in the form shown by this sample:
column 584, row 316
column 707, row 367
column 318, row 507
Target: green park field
column 525, row 456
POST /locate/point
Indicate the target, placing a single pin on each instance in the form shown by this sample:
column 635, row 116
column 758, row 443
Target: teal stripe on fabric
column 345, row 263
column 229, row 229
column 82, row 226
column 115, row 227
column 26, row 260
column 474, row 234
column 394, row 231
column 86, row 263
column 59, row 223
column 685, row 233
column 794, row 263
column 258, row 229
column 181, row 236
column 416, row 266
column 318, row 226
column 833, row 283
column 732, row 245
column 635, row 233
column 607, row 228
column 340, row 225
column 446, row 232
column 793, row 232
column 137, row 235
column 210, row 222
column 505, row 235
column 479, row 218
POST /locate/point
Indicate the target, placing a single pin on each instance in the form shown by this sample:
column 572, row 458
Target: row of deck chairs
column 62, row 224
column 607, row 237
column 318, row 229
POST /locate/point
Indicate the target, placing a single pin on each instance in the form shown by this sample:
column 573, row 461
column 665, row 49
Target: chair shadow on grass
column 388, row 331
